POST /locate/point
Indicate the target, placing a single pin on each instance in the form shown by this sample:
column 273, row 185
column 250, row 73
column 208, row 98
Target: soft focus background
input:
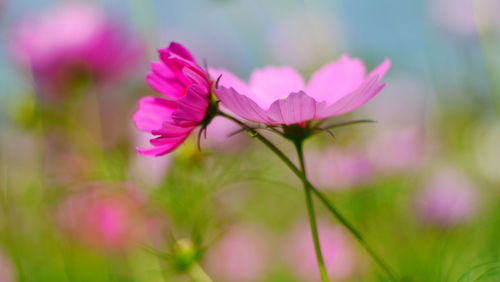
column 77, row 203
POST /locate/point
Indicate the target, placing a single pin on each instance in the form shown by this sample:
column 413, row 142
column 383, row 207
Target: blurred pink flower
column 338, row 252
column 186, row 87
column 241, row 255
column 71, row 42
column 218, row 135
column 397, row 150
column 448, row 198
column 7, row 273
column 465, row 16
column 338, row 168
column 457, row 16
column 147, row 171
column 107, row 219
column 278, row 95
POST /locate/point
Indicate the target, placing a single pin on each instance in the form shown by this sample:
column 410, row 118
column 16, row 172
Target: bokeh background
column 77, row 203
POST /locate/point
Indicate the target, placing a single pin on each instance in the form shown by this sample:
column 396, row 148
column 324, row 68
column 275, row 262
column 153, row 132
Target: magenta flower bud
column 448, row 198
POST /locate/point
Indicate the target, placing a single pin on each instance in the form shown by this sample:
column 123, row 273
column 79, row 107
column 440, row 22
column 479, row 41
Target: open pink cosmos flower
column 186, row 90
column 278, row 95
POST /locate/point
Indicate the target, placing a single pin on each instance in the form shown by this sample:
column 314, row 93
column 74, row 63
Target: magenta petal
column 192, row 107
column 337, row 79
column 170, row 88
column 163, row 149
column 160, row 69
column 172, row 130
column 241, row 105
column 296, row 108
column 369, row 89
column 195, row 78
column 152, row 112
column 381, row 69
column 180, row 51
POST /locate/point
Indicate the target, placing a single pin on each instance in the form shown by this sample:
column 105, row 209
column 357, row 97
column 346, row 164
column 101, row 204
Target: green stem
column 198, row 274
column 320, row 195
column 311, row 215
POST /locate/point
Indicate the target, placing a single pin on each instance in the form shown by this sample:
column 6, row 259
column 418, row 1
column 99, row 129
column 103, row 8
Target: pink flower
column 338, row 252
column 186, row 90
column 71, row 43
column 447, row 199
column 218, row 135
column 105, row 218
column 7, row 270
column 241, row 255
column 148, row 172
column 398, row 150
column 278, row 95
column 338, row 169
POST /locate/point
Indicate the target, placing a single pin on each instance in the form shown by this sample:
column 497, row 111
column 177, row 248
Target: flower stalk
column 319, row 194
column 311, row 214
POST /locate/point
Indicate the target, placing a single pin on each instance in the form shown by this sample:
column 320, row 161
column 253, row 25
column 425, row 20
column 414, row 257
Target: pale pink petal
column 296, row 108
column 272, row 83
column 241, row 105
column 369, row 89
column 381, row 69
column 229, row 80
column 335, row 80
column 152, row 112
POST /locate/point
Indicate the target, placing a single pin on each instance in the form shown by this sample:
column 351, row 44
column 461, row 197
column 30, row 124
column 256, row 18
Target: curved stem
column 320, row 195
column 311, row 215
column 198, row 274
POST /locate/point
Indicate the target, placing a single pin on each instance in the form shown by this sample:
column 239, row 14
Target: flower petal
column 241, row 105
column 152, row 112
column 160, row 80
column 381, row 69
column 337, row 79
column 228, row 80
column 272, row 83
column 192, row 107
column 369, row 89
column 177, row 50
column 164, row 146
column 296, row 108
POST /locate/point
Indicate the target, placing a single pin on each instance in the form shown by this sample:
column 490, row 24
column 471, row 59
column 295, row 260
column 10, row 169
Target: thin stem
column 198, row 274
column 311, row 215
column 346, row 123
column 355, row 233
column 320, row 195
